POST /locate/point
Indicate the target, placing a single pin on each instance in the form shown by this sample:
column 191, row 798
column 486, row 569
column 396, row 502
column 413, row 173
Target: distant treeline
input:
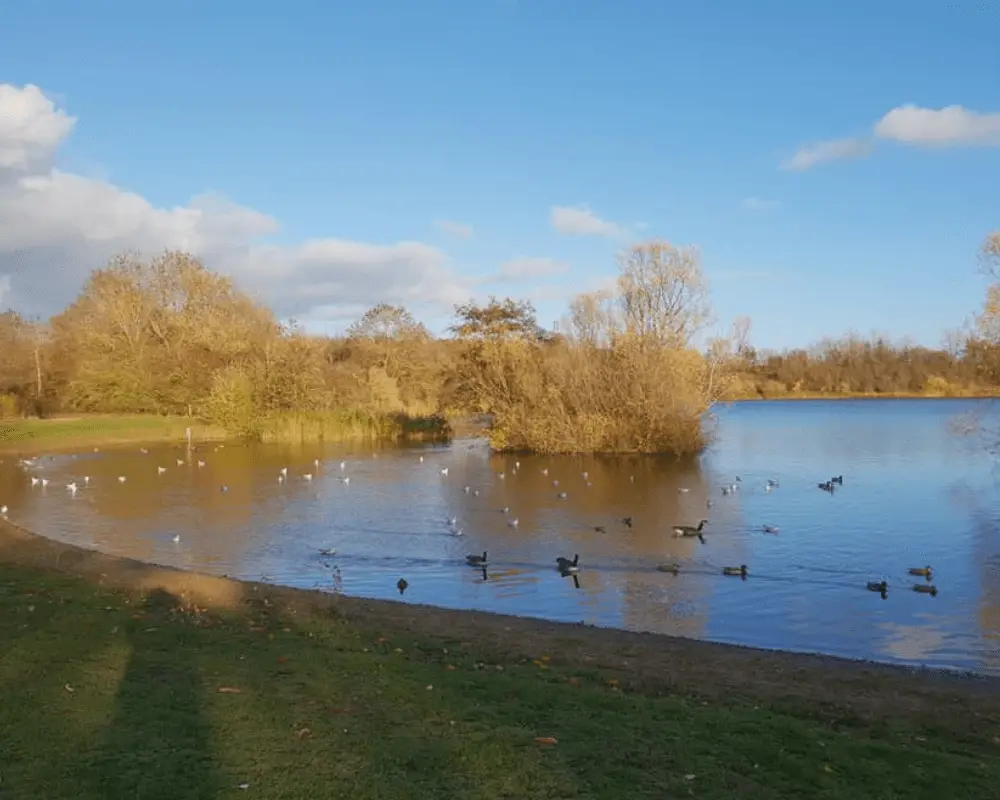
column 621, row 374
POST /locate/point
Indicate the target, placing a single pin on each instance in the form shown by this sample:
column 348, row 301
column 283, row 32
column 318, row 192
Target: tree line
column 621, row 372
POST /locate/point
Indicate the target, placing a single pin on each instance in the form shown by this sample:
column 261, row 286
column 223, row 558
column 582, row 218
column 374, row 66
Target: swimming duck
column 925, row 571
column 838, row 480
column 740, row 570
column 924, row 588
column 878, row 586
column 673, row 569
column 770, row 529
column 689, row 530
column 476, row 561
column 826, row 486
column 566, row 566
column 327, row 551
column 401, row 584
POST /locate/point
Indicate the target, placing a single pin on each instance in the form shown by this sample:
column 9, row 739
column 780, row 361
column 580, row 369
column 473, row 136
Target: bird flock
column 564, row 565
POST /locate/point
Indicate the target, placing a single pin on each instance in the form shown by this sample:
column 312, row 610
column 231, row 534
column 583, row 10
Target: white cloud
column 58, row 226
column 4, row 290
column 952, row 125
column 821, row 152
column 454, row 228
column 519, row 269
column 581, row 221
column 910, row 124
column 759, row 204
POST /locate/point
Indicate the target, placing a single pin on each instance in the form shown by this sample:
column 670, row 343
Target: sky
column 836, row 163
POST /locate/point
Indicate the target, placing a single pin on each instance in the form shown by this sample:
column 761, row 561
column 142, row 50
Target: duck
column 327, row 551
column 401, row 584
column 600, row 529
column 924, row 588
column 878, row 586
column 476, row 561
column 740, row 570
column 673, row 569
column 838, row 480
column 690, row 530
column 826, row 486
column 627, row 521
column 566, row 566
column 770, row 529
column 924, row 571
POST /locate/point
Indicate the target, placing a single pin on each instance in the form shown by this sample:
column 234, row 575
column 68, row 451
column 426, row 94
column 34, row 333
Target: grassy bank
column 186, row 686
column 100, row 429
column 956, row 394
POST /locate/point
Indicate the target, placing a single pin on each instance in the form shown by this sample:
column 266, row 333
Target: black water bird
column 401, row 584
column 566, row 566
column 600, row 529
column 690, row 530
column 628, row 522
column 882, row 587
column 924, row 588
column 673, row 569
column 476, row 561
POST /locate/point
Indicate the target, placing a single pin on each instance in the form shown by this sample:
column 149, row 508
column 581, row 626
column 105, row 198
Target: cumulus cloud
column 58, row 226
column 951, row 125
column 758, row 204
column 820, row 152
column 454, row 228
column 581, row 221
column 909, row 124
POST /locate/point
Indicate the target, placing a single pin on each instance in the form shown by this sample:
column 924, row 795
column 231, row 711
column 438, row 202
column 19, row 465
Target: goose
column 566, row 566
column 924, row 588
column 878, row 586
column 740, row 570
column 476, row 561
column 838, row 480
column 826, row 486
column 401, row 584
column 673, row 569
column 689, row 530
column 925, row 571
column 627, row 521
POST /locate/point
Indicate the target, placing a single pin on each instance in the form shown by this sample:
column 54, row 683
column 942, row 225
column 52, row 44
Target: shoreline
column 647, row 662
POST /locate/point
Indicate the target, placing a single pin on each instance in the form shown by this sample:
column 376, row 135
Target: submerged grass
column 96, row 429
column 117, row 692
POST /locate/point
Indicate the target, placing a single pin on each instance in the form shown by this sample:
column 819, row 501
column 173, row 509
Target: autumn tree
column 497, row 320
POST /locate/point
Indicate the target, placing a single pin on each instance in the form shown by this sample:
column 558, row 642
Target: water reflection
column 913, row 494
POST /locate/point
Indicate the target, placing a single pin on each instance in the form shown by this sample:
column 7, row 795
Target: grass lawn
column 28, row 435
column 112, row 691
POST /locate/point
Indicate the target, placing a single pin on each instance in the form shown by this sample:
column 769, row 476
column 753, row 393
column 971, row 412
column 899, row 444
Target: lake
column 913, row 494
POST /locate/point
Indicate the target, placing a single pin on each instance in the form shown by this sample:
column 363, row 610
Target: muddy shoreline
column 647, row 662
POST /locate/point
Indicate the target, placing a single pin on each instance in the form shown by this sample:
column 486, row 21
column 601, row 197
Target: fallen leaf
column 827, row 768
column 244, row 786
column 302, row 734
column 229, row 690
column 428, row 687
column 546, row 740
column 69, row 688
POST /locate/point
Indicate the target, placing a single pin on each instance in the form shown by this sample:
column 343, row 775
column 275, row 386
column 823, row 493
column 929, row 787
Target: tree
column 988, row 322
column 497, row 320
column 662, row 294
column 384, row 322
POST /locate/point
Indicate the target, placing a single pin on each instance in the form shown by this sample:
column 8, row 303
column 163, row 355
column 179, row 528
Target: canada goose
column 826, row 486
column 401, row 584
column 628, row 522
column 925, row 571
column 839, row 480
column 476, row 561
column 924, row 588
column 673, row 569
column 878, row 586
column 690, row 530
column 740, row 570
column 567, row 566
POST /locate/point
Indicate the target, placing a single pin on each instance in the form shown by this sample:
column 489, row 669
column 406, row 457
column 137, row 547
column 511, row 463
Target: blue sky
column 374, row 123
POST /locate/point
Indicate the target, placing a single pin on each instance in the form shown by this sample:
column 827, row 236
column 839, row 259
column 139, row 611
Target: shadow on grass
column 158, row 745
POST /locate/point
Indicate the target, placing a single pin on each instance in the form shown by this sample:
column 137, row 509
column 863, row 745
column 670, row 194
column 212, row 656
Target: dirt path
column 651, row 663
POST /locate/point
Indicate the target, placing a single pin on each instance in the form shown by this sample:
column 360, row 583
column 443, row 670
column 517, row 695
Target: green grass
column 94, row 429
column 109, row 693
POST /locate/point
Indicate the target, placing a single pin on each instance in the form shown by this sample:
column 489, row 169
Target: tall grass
column 348, row 425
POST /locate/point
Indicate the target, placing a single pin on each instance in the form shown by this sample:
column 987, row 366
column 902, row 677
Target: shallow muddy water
column 913, row 494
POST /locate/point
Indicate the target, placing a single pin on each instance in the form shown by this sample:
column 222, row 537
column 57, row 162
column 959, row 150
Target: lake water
column 913, row 494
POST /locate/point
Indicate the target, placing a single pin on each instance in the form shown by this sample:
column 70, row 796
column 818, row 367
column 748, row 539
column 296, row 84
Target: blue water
column 914, row 494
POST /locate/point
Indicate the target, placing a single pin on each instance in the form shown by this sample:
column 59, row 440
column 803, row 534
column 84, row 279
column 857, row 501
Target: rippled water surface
column 914, row 494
